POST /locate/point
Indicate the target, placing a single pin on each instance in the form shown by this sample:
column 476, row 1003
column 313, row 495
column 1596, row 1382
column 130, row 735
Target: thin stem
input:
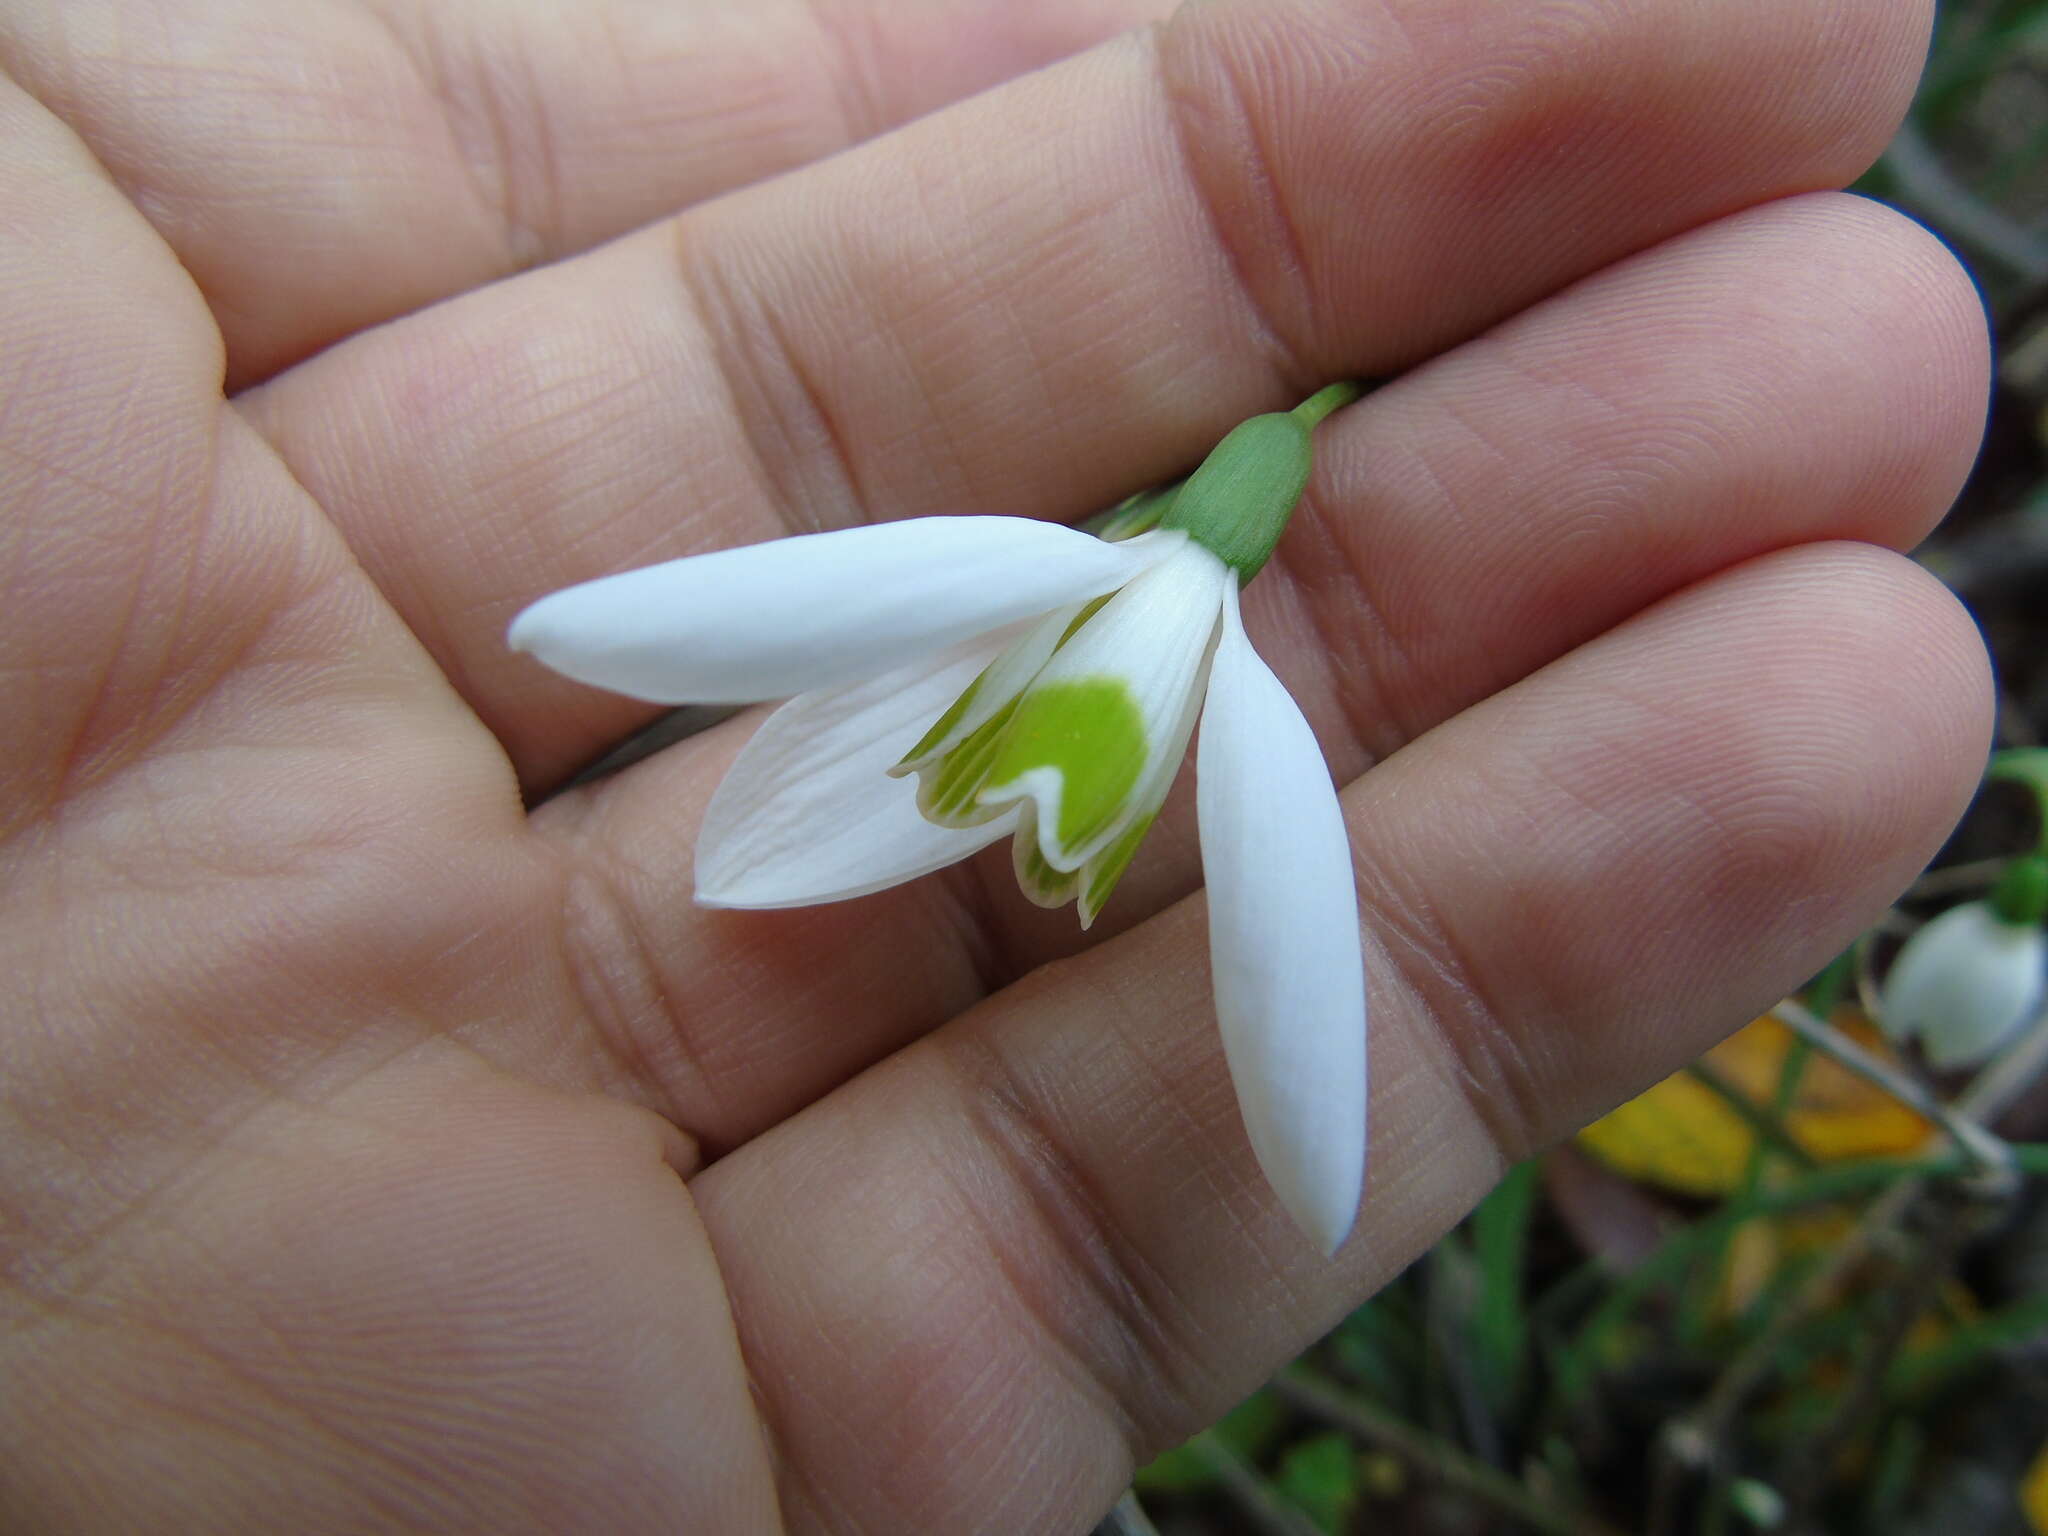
column 1700, row 1438
column 2011, row 1073
column 1805, row 1471
column 1270, row 1514
column 1434, row 1458
column 1988, row 1151
column 1767, row 1125
column 1869, row 995
column 1327, row 399
column 1928, row 185
column 1128, row 1518
column 1827, row 988
column 663, row 731
column 1956, row 879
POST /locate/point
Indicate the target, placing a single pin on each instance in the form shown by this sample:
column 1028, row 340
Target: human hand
column 378, row 1156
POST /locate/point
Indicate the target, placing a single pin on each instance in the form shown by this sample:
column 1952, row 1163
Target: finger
column 1047, row 1215
column 1049, row 295
column 221, row 754
column 108, row 472
column 351, row 161
column 1742, row 388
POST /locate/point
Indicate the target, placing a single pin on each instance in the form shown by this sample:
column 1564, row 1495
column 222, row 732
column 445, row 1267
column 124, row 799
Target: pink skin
column 377, row 1155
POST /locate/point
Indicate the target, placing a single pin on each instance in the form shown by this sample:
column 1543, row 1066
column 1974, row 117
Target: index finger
column 321, row 168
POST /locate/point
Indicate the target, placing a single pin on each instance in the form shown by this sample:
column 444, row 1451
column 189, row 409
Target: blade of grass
column 1965, row 57
column 1500, row 1240
column 1825, row 1186
column 1805, row 1467
column 2025, row 1320
column 1772, row 1137
column 1434, row 1458
column 1270, row 1515
column 1128, row 1518
column 1451, row 1277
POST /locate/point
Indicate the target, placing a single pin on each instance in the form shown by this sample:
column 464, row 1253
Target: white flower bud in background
column 1970, row 979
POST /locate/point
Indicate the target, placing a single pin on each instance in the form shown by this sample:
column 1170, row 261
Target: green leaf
column 1500, row 1237
column 1594, row 1344
column 1893, row 1474
column 1380, row 1345
column 1322, row 1476
column 2024, row 1320
column 1248, row 1429
column 2021, row 895
column 2028, row 766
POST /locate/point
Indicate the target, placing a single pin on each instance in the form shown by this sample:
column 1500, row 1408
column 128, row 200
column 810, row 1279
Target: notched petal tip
column 1041, row 882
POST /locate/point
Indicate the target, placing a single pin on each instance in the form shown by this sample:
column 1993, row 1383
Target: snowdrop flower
column 959, row 680
column 1969, row 979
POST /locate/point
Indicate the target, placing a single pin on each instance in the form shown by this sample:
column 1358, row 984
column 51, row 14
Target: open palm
column 376, row 1154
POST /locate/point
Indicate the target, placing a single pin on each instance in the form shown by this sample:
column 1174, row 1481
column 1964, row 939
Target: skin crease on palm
column 376, row 1155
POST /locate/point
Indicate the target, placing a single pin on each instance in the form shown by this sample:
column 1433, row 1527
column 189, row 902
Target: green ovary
column 1091, row 732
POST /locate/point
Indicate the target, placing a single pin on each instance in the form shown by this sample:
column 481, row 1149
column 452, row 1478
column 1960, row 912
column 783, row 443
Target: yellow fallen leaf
column 1683, row 1136
column 2034, row 1493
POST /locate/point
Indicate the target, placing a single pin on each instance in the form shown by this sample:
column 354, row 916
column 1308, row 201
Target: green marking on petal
column 952, row 717
column 959, row 709
column 1108, row 866
column 1044, row 885
column 1093, row 608
column 946, row 791
column 1091, row 732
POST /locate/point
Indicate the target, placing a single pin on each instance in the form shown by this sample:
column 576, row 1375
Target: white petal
column 768, row 620
column 808, row 811
column 1283, row 939
column 1964, row 983
column 1154, row 639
